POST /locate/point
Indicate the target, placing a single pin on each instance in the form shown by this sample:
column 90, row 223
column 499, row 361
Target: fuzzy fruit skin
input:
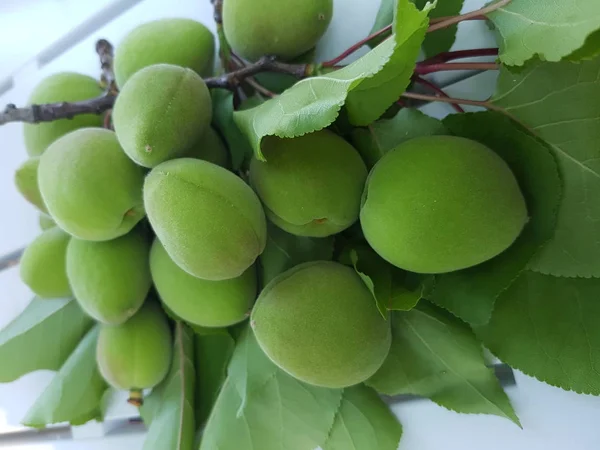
column 285, row 29
column 310, row 185
column 60, row 87
column 181, row 42
column 319, row 322
column 441, row 203
column 110, row 279
column 46, row 222
column 26, row 181
column 136, row 354
column 43, row 265
column 201, row 302
column 90, row 187
column 160, row 113
column 210, row 222
column 210, row 147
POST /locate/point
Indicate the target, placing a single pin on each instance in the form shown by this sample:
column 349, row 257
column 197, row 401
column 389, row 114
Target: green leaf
column 470, row 294
column 366, row 87
column 363, row 422
column 76, row 392
column 41, row 337
column 385, row 16
column 384, row 135
column 237, row 143
column 213, row 352
column 557, row 101
column 547, row 327
column 590, row 49
column 548, row 30
column 385, row 281
column 284, row 251
column 437, row 356
column 169, row 410
column 441, row 40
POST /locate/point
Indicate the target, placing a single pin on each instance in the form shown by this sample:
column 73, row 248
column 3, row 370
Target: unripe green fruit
column 60, row 87
column 90, row 187
column 46, row 222
column 111, row 279
column 26, row 181
column 441, row 203
column 273, row 27
column 319, row 322
column 310, row 185
column 160, row 113
column 136, row 354
column 210, row 147
column 43, row 264
column 181, row 42
column 211, row 223
column 201, row 302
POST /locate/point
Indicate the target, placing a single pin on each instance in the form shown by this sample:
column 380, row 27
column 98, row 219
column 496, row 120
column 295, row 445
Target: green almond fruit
column 255, row 28
column 161, row 112
column 26, row 181
column 46, row 222
column 210, row 147
column 137, row 354
column 60, row 87
column 90, row 187
column 441, row 203
column 319, row 322
column 201, row 302
column 110, row 279
column 310, row 185
column 181, row 42
column 43, row 264
column 210, row 222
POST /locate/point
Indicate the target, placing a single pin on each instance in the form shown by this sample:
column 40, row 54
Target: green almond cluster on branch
column 256, row 255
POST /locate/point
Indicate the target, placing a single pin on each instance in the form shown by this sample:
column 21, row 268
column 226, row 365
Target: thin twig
column 106, row 54
column 457, row 19
column 356, row 47
column 260, row 88
column 218, row 11
column 459, row 54
column 434, row 20
column 441, row 67
column 438, row 90
column 11, row 260
column 458, row 101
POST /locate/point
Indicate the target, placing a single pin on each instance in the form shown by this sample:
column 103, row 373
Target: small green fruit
column 210, row 147
column 60, row 87
column 46, row 222
column 441, row 203
column 181, row 42
column 161, row 112
column 319, row 322
column 210, row 222
column 272, row 27
column 26, row 181
column 90, row 187
column 43, row 264
column 310, row 185
column 111, row 279
column 201, row 302
column 136, row 354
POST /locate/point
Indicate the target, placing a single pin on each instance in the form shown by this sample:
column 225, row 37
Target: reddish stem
column 460, row 54
column 435, row 20
column 439, row 91
column 356, row 47
column 441, row 67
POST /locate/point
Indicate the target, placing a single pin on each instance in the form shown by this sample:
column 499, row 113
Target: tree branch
column 469, row 16
column 11, row 260
column 106, row 54
column 430, row 68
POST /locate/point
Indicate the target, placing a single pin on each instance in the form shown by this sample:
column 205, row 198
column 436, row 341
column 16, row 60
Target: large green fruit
column 161, row 112
column 136, row 354
column 319, row 322
column 90, row 187
column 273, row 27
column 210, row 147
column 441, row 203
column 310, row 185
column 26, row 181
column 43, row 264
column 210, row 222
column 110, row 279
column 201, row 302
column 60, row 87
column 181, row 42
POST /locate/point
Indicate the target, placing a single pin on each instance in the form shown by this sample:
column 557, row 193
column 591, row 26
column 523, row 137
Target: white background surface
column 552, row 418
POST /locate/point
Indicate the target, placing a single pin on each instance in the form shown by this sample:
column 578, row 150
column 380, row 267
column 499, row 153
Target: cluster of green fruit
column 431, row 205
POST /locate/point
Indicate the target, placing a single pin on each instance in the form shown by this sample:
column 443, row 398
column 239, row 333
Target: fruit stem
column 469, row 16
column 136, row 397
column 439, row 91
